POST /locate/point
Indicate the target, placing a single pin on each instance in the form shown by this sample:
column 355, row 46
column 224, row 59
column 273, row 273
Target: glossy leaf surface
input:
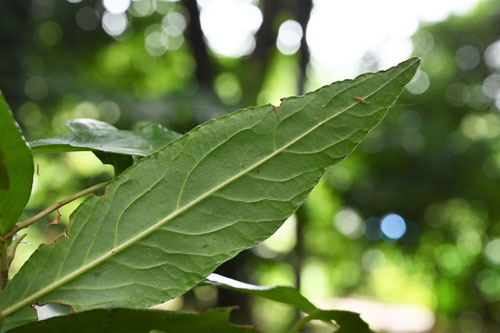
column 90, row 134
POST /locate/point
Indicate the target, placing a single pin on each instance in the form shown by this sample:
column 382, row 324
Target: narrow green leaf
column 16, row 169
column 90, row 134
column 283, row 294
column 169, row 220
column 137, row 321
column 348, row 321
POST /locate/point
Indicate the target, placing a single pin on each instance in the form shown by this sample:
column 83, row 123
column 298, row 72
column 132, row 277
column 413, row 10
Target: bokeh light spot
column 228, row 88
column 393, row 226
column 116, row 6
column 36, row 88
column 467, row 57
column 114, row 24
column 50, row 33
column 229, row 26
column 349, row 223
column 87, row 19
column 109, row 112
column 289, row 37
column 419, row 83
column 492, row 251
column 492, row 55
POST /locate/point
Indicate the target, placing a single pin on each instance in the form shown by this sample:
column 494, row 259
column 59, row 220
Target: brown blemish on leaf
column 57, row 219
column 65, row 234
column 105, row 195
column 38, row 169
column 361, row 100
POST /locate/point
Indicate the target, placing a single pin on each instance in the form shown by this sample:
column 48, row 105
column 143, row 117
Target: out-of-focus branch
column 204, row 70
column 256, row 65
column 303, row 14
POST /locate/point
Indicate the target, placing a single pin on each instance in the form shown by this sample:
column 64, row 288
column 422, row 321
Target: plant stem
column 4, row 265
column 54, row 207
column 11, row 252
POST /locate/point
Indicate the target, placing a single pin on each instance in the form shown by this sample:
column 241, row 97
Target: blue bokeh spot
column 393, row 226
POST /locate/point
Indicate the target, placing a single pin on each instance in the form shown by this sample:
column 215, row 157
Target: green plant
column 173, row 216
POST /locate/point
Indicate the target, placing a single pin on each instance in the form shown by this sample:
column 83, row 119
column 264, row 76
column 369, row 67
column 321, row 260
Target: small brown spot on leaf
column 275, row 110
column 361, row 100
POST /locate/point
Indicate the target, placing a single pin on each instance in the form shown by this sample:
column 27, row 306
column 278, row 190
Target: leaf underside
column 16, row 169
column 169, row 220
column 137, row 321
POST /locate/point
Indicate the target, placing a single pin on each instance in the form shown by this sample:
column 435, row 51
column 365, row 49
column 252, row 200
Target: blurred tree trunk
column 255, row 66
column 204, row 69
column 303, row 13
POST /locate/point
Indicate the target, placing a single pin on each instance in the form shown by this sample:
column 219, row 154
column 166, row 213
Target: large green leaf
column 90, row 134
column 137, row 321
column 16, row 169
column 348, row 321
column 169, row 220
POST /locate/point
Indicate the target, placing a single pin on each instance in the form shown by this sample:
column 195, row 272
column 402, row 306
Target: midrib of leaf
column 29, row 300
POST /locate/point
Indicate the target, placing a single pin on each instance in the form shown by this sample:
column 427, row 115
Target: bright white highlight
column 116, row 6
column 341, row 33
column 114, row 24
column 229, row 26
column 289, row 37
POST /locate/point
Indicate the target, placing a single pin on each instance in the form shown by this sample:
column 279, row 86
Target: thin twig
column 54, row 207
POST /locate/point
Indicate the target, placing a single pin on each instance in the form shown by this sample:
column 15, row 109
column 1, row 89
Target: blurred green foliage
column 434, row 161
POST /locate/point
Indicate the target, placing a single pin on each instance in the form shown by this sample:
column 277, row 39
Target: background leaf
column 283, row 294
column 16, row 169
column 138, row 321
column 91, row 134
column 169, row 220
column 118, row 161
column 348, row 321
